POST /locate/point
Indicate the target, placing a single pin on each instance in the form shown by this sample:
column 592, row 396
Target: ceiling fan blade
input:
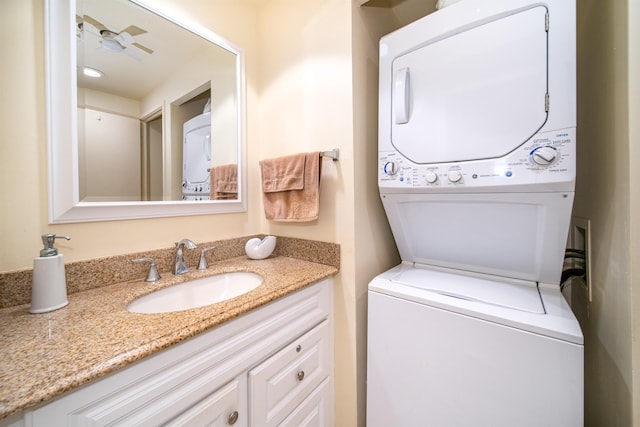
column 94, row 22
column 133, row 30
column 134, row 53
column 144, row 48
column 124, row 38
column 86, row 27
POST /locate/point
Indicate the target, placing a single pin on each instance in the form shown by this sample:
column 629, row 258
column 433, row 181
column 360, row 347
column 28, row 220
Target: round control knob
column 544, row 155
column 390, row 168
column 431, row 177
column 454, row 176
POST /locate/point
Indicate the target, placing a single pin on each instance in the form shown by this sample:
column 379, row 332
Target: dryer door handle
column 401, row 95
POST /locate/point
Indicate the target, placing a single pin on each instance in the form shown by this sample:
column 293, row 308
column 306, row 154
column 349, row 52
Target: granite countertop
column 44, row 355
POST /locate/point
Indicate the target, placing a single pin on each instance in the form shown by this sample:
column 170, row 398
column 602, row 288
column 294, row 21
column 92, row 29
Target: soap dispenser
column 49, row 291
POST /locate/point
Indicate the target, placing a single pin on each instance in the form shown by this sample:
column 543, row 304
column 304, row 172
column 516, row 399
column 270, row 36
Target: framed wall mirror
column 145, row 113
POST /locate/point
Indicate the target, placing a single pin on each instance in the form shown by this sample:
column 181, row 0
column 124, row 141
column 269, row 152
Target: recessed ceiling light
column 92, row 72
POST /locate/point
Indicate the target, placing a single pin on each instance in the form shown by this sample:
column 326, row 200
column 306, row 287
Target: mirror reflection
column 156, row 108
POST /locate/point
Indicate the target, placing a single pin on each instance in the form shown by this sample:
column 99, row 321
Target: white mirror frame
column 62, row 125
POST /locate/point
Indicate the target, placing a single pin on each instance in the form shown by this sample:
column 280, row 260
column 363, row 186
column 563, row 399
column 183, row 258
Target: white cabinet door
column 282, row 382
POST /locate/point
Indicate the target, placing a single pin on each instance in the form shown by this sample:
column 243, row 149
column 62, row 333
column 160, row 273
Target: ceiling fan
column 120, row 42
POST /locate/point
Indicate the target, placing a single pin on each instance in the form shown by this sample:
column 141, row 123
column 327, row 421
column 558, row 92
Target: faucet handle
column 202, row 265
column 153, row 274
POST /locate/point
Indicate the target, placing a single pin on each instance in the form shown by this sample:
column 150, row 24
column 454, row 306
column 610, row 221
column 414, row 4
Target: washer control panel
column 546, row 158
column 196, row 190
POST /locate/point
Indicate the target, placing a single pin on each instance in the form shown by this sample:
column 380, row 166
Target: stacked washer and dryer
column 477, row 148
column 196, row 156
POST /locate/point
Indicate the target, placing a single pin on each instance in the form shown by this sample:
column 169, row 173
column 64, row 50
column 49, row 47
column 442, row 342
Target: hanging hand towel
column 291, row 187
column 224, row 182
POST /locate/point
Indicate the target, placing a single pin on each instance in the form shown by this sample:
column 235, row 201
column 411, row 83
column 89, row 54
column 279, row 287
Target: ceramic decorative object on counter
column 260, row 249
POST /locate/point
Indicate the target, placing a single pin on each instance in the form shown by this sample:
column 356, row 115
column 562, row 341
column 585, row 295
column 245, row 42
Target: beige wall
column 21, row 130
column 633, row 21
column 318, row 85
column 605, row 194
column 111, row 142
column 306, row 104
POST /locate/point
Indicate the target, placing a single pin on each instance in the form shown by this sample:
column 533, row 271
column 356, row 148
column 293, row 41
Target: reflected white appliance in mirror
column 87, row 146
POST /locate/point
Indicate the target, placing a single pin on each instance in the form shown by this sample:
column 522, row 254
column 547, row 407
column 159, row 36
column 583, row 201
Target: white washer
column 450, row 350
column 476, row 175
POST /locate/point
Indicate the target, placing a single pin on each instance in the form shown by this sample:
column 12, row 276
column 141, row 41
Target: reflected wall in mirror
column 159, row 132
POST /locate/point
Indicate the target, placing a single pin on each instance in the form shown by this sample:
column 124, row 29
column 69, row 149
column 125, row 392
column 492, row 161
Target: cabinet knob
column 300, row 375
column 298, row 348
column 233, row 417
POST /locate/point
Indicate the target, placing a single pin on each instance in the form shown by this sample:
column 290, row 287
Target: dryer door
column 475, row 94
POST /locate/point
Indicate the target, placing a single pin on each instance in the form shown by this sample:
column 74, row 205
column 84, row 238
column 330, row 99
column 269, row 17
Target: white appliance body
column 476, row 172
column 196, row 158
column 451, row 350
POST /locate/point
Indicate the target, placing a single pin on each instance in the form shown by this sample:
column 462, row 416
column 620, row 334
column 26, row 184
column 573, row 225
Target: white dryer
column 476, row 159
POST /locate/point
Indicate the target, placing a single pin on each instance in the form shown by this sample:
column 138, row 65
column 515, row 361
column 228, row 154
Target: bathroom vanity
column 265, row 358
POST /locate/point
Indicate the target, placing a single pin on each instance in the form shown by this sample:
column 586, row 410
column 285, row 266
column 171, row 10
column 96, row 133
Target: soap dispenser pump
column 49, row 291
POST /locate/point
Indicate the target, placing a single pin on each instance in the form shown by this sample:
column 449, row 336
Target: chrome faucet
column 180, row 267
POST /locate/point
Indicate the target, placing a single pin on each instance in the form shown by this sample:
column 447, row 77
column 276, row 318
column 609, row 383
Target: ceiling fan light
column 92, row 72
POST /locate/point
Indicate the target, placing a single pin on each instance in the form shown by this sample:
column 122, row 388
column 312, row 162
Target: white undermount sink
column 196, row 293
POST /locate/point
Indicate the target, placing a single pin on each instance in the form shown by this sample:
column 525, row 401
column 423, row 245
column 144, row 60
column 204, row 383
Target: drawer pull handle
column 233, row 417
column 300, row 375
column 298, row 348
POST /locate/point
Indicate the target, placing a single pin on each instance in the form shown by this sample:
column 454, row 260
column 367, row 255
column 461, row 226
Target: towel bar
column 332, row 154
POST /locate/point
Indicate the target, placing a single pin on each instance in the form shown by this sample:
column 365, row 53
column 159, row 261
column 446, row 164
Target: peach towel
column 291, row 187
column 224, row 182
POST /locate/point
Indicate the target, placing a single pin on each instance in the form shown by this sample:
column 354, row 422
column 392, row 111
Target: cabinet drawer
column 222, row 407
column 313, row 411
column 282, row 382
